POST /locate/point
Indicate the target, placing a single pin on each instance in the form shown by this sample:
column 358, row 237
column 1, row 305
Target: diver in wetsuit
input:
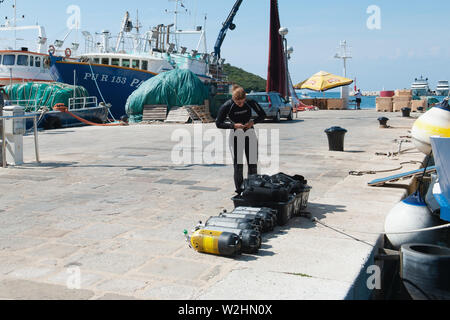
column 236, row 114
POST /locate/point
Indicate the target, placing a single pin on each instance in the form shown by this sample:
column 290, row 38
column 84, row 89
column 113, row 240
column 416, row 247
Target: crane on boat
column 228, row 24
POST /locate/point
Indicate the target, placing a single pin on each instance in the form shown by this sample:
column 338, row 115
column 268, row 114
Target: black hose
column 424, row 173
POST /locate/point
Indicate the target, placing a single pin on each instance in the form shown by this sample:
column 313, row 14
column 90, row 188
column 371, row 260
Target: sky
column 391, row 42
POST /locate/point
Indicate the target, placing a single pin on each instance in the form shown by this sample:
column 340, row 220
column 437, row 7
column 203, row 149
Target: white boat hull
column 17, row 74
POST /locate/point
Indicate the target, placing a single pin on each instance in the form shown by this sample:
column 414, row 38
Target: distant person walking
column 236, row 114
column 358, row 99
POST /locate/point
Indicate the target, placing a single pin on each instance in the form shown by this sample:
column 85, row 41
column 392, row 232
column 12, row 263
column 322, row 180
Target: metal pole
column 15, row 24
column 3, row 144
column 36, row 142
column 287, row 74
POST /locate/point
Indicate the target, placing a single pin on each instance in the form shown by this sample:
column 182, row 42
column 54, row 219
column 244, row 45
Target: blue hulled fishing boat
column 113, row 72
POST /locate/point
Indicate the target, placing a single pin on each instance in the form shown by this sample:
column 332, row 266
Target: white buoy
column 410, row 214
column 435, row 122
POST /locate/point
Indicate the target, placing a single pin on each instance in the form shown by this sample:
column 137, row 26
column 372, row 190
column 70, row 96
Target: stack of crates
column 384, row 104
column 421, row 104
column 402, row 99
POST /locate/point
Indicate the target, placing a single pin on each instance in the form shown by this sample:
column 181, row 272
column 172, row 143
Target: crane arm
column 228, row 24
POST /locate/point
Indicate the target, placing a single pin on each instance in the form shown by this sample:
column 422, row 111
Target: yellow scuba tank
column 215, row 242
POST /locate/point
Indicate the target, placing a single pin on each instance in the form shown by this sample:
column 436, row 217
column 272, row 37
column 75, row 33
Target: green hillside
column 249, row 81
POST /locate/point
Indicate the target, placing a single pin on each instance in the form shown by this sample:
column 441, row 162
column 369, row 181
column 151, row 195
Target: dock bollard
column 383, row 122
column 336, row 136
column 406, row 112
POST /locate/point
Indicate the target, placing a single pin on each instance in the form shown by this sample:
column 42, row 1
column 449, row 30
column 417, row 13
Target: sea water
column 368, row 102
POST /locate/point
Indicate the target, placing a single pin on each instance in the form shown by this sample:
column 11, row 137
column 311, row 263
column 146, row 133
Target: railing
column 36, row 142
column 74, row 104
column 82, row 103
column 29, row 105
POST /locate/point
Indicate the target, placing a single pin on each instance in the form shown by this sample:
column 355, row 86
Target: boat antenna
column 15, row 24
column 138, row 25
column 176, row 13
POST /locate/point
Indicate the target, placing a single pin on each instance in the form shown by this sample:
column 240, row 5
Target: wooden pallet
column 203, row 113
column 195, row 118
column 178, row 115
column 155, row 113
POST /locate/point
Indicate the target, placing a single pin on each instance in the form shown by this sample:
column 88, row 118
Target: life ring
column 68, row 52
column 51, row 49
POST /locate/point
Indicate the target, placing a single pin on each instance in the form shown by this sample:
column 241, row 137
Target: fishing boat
column 19, row 63
column 42, row 98
column 112, row 73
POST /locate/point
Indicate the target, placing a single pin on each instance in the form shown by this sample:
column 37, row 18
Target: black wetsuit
column 229, row 115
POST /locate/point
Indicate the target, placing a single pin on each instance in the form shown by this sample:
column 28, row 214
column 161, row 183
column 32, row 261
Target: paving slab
column 29, row 290
column 113, row 203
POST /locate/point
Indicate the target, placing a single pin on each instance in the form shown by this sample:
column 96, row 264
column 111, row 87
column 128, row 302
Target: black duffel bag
column 261, row 188
column 295, row 183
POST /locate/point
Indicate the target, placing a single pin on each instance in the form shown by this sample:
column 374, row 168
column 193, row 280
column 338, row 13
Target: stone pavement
column 108, row 207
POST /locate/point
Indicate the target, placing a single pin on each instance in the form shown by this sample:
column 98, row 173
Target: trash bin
column 383, row 122
column 336, row 136
column 406, row 112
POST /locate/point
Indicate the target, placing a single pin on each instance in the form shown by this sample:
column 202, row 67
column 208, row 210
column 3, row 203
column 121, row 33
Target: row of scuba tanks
column 265, row 203
column 233, row 233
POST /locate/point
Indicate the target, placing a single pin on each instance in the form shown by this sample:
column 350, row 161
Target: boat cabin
column 22, row 59
column 126, row 62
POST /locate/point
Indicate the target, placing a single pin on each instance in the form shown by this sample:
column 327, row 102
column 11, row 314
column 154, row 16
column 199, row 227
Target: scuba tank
column 232, row 223
column 251, row 239
column 215, row 242
column 254, row 219
column 268, row 216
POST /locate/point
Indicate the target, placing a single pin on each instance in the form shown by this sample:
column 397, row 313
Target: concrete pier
column 103, row 216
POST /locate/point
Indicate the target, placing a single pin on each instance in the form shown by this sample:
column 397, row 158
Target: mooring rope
column 361, row 173
column 340, row 230
column 98, row 88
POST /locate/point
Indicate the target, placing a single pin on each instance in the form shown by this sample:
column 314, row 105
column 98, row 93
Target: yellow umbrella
column 323, row 81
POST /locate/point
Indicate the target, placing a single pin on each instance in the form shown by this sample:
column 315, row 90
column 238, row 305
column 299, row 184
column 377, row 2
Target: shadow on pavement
column 302, row 221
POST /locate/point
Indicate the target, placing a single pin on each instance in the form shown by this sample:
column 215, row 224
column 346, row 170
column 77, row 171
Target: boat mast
column 15, row 24
column 176, row 22
column 122, row 30
column 42, row 38
column 176, row 12
column 137, row 36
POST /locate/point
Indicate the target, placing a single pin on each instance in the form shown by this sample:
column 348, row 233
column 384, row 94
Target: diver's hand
column 250, row 125
column 239, row 126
